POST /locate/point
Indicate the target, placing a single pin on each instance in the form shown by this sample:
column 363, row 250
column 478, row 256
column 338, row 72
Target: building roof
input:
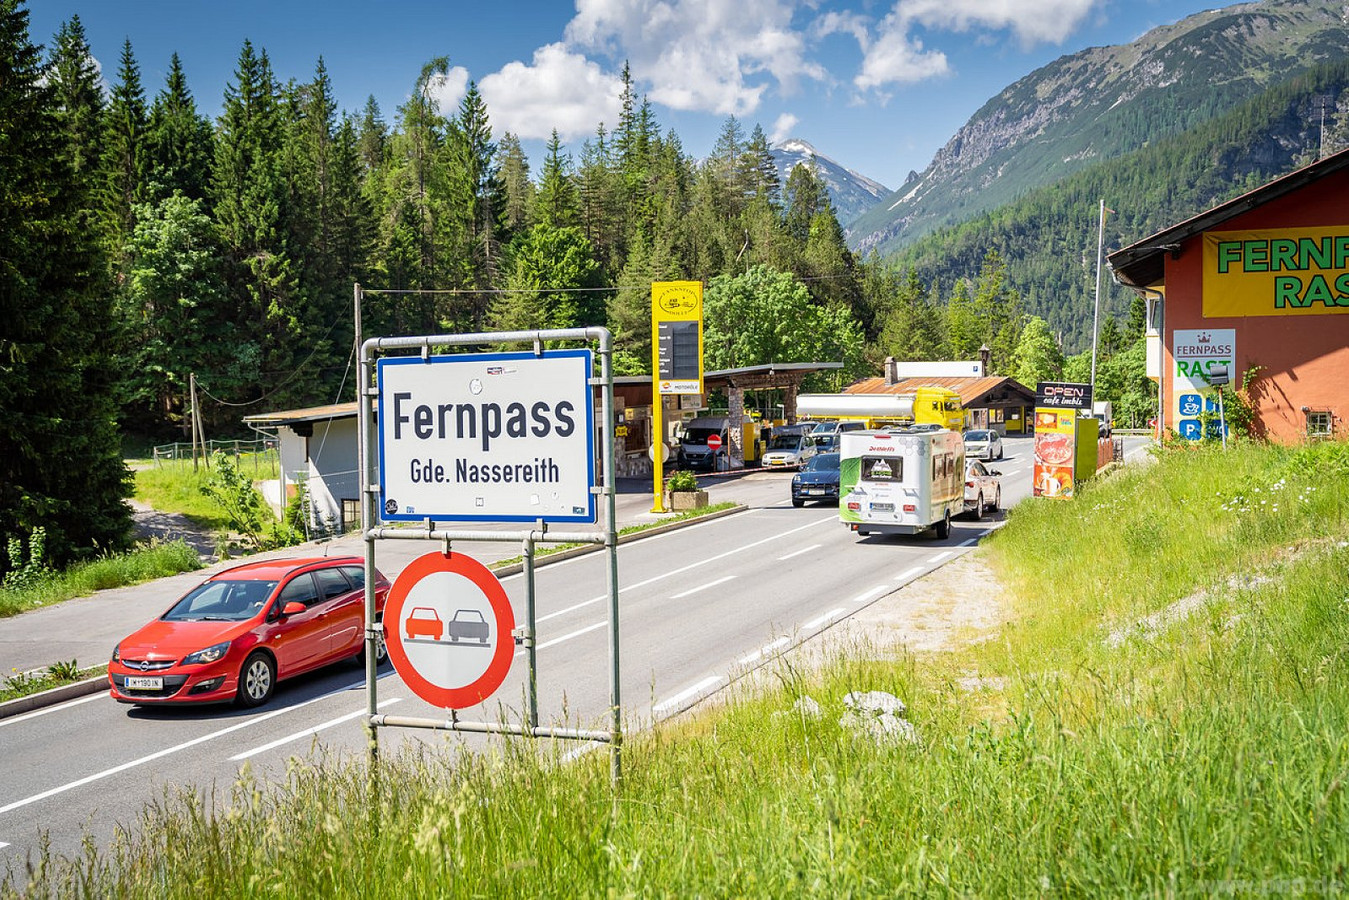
column 309, row 414
column 1143, row 264
column 974, row 392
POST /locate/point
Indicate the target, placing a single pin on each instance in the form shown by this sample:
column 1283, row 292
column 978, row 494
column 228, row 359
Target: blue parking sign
column 1190, row 429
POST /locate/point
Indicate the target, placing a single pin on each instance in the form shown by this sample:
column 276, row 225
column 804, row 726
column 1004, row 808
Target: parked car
column 237, row 634
column 469, row 623
column 817, row 480
column 788, row 451
column 983, row 444
column 983, row 490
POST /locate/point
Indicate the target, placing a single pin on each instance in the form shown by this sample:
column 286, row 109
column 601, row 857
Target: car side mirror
column 293, row 608
column 994, row 472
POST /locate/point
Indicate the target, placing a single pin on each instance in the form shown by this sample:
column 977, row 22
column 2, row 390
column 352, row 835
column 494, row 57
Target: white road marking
column 12, row 720
column 653, row 579
column 3, row 845
column 308, row 731
column 765, row 650
column 970, row 543
column 799, row 552
column 685, row 694
column 702, row 587
column 911, row 573
column 940, row 556
column 829, row 616
column 565, row 637
column 864, row 597
column 167, row 751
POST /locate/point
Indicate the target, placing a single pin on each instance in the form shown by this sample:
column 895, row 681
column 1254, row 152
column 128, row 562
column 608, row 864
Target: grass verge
column 1163, row 715
column 146, row 563
column 174, row 486
column 21, row 684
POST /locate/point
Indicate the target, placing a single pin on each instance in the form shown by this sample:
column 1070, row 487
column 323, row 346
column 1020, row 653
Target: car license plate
column 883, row 507
column 814, row 492
column 145, row 683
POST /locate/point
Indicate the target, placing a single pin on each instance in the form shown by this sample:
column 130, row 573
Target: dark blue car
column 817, row 480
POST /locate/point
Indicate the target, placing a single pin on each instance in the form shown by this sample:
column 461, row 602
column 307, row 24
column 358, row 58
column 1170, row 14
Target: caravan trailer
column 901, row 481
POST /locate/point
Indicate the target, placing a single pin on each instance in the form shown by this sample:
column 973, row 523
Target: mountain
column 852, row 194
column 1103, row 102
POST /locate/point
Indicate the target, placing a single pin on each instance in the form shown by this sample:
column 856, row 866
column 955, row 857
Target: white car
column 983, row 490
column 983, row 444
column 788, row 451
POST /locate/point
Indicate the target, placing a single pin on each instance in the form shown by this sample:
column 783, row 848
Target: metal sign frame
column 369, row 391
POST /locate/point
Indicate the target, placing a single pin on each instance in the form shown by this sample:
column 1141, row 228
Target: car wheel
column 381, row 648
column 997, row 500
column 979, row 508
column 257, row 680
column 943, row 528
column 798, row 503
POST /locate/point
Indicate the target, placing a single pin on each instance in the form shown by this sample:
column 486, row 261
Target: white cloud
column 896, row 55
column 448, row 89
column 700, row 55
column 783, row 127
column 559, row 89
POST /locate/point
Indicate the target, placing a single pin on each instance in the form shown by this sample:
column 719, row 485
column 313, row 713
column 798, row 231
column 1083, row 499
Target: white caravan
column 901, row 481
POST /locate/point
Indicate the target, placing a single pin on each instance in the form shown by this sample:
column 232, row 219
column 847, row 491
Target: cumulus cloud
column 700, row 55
column 783, row 127
column 558, row 89
column 895, row 55
column 448, row 89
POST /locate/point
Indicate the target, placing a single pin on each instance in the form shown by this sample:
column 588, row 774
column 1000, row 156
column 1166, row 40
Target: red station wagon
column 244, row 629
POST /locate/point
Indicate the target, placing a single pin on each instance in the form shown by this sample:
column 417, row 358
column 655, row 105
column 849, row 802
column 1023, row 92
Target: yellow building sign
column 677, row 336
column 1276, row 272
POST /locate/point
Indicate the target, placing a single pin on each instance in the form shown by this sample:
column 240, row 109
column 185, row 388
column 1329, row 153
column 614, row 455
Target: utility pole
column 192, row 397
column 1096, row 316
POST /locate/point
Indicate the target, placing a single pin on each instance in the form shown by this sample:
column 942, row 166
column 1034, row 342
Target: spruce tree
column 60, row 462
column 124, row 157
column 73, row 75
column 178, row 140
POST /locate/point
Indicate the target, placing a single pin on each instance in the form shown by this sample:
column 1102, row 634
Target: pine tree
column 124, row 156
column 73, row 74
column 477, row 197
column 517, row 215
column 372, row 136
column 556, row 203
column 179, row 143
column 60, row 460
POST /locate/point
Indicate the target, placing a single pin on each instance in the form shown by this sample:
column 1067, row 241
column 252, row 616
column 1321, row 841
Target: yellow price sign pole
column 676, row 360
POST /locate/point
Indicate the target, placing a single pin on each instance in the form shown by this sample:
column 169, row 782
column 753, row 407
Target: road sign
column 714, row 442
column 677, row 323
column 487, row 437
column 448, row 624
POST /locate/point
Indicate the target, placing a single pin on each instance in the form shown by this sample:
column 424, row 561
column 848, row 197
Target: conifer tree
column 179, row 143
column 477, row 198
column 556, row 202
column 124, row 156
column 73, row 74
column 519, row 191
column 60, row 461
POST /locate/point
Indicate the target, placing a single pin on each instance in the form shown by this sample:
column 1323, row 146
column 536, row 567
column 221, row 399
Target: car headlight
column 209, row 655
column 796, row 480
column 117, row 653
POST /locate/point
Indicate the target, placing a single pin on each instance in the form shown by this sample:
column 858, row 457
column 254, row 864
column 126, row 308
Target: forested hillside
column 1098, row 104
column 1049, row 237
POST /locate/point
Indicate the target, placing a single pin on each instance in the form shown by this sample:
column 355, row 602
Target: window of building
column 351, row 514
column 1318, row 423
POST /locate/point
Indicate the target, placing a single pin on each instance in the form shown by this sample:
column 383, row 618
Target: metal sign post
column 473, row 437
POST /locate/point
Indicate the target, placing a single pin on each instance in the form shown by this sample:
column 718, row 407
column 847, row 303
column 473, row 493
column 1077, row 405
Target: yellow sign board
column 677, row 336
column 1276, row 272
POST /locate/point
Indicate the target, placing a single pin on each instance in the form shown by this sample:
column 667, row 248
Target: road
column 699, row 607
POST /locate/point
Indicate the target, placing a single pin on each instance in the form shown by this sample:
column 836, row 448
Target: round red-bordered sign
column 440, row 594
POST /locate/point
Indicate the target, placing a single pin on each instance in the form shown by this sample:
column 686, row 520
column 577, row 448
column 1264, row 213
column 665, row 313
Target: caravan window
column 882, row 468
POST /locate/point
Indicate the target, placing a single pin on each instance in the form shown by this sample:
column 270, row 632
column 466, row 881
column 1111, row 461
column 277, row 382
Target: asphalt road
column 699, row 606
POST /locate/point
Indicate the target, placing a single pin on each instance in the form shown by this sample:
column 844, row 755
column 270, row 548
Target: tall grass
column 174, row 485
column 1169, row 719
column 146, row 563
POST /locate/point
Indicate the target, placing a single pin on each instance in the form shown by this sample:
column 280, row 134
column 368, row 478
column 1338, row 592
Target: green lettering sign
column 1287, row 291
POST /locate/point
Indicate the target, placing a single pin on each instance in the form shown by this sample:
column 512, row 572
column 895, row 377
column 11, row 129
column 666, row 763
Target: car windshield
column 825, row 462
column 824, row 428
column 785, row 442
column 222, row 601
column 976, row 435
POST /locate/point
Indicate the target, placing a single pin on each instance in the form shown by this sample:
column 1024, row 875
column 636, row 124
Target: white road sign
column 494, row 437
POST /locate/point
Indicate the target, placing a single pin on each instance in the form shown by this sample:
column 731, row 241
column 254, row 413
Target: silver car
column 983, row 490
column 983, row 444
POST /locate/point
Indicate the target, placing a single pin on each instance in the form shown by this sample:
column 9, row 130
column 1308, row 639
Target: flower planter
column 678, row 501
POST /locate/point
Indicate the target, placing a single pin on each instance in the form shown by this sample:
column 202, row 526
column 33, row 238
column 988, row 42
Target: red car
column 244, row 629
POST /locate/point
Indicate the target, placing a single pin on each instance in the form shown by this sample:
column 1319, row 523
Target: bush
column 682, row 480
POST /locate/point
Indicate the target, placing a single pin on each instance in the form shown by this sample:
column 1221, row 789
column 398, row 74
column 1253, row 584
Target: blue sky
column 878, row 85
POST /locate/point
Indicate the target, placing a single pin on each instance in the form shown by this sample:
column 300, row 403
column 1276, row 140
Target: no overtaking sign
column 500, row 437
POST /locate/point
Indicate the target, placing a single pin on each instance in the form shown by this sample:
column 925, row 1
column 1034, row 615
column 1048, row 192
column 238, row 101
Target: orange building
column 1259, row 284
